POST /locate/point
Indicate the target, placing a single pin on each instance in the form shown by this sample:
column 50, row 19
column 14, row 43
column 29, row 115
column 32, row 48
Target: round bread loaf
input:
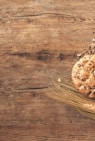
column 83, row 75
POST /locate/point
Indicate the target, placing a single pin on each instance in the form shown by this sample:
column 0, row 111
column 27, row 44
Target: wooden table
column 39, row 40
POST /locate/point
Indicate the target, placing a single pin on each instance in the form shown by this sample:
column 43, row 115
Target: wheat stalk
column 65, row 92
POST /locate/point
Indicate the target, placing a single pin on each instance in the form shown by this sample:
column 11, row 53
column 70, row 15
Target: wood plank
column 39, row 41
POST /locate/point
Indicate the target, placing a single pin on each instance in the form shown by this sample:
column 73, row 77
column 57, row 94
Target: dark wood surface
column 39, row 40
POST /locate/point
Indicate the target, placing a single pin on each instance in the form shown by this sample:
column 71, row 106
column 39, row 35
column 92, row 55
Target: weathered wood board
column 39, row 40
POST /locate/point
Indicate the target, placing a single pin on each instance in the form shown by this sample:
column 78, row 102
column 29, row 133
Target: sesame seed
column 59, row 80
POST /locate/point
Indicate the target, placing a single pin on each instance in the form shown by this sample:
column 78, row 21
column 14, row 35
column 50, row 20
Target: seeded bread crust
column 83, row 75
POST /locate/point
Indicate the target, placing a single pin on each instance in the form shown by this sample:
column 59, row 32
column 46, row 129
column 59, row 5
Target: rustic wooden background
column 39, row 40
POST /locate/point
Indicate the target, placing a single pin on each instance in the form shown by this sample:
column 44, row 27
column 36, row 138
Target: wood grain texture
column 39, row 40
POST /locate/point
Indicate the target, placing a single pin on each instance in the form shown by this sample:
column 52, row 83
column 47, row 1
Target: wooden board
column 39, row 40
